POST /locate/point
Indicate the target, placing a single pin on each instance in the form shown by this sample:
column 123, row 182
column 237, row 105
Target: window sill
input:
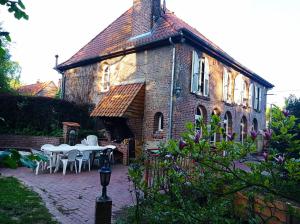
column 229, row 104
column 199, row 96
column 158, row 135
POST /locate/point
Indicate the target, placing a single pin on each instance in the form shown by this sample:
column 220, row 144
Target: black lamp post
column 104, row 203
column 105, row 173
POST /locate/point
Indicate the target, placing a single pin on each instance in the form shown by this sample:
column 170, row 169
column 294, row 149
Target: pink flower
column 267, row 134
column 286, row 113
column 197, row 137
column 265, row 155
column 279, row 159
column 182, row 144
column 253, row 135
column 230, row 137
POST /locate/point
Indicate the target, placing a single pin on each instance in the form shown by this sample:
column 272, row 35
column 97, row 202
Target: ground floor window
column 227, row 124
column 158, row 122
column 243, row 129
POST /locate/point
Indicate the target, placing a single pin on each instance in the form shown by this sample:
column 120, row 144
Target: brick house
column 46, row 89
column 149, row 73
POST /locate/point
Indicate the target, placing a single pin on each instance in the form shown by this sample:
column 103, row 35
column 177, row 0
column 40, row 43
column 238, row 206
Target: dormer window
column 105, row 83
column 200, row 75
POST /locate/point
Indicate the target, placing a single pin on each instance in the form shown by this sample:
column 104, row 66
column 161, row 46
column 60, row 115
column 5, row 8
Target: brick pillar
column 67, row 126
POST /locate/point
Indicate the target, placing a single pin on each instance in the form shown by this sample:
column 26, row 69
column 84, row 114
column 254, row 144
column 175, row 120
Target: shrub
column 193, row 182
column 40, row 115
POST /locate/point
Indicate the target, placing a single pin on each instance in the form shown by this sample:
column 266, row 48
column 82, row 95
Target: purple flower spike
column 267, row 133
column 197, row 137
column 182, row 144
column 265, row 155
column 230, row 137
column 253, row 135
column 286, row 113
column 280, row 159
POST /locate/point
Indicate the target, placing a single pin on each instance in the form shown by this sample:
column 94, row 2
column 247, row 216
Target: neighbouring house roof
column 117, row 38
column 122, row 101
column 35, row 89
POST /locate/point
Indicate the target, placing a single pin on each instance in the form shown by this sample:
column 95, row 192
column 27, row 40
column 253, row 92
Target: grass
column 19, row 205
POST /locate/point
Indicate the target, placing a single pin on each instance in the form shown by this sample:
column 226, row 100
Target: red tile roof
column 121, row 101
column 33, row 89
column 118, row 37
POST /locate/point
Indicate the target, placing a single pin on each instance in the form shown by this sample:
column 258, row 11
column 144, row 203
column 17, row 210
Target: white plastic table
column 57, row 150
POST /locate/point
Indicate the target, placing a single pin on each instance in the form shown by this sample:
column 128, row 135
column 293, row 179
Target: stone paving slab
column 71, row 198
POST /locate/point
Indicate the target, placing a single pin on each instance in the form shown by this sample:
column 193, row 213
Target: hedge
column 40, row 115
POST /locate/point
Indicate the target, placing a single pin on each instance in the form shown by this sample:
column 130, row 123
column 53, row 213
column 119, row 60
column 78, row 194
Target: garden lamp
column 105, row 174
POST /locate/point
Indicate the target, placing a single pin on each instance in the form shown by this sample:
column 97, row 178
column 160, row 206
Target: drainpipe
column 172, row 90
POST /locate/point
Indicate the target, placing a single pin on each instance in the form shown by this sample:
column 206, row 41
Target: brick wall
column 185, row 105
column 23, row 141
column 121, row 147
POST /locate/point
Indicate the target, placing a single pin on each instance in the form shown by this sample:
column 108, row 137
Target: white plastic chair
column 84, row 158
column 84, row 142
column 92, row 140
column 71, row 158
column 51, row 157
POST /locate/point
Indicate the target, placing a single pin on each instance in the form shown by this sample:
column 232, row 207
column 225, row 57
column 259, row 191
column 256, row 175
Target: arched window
column 158, row 122
column 243, row 129
column 227, row 124
column 255, row 125
column 105, row 83
column 201, row 113
column 216, row 137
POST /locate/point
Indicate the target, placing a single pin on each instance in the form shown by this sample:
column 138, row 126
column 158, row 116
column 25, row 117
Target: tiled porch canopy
column 122, row 101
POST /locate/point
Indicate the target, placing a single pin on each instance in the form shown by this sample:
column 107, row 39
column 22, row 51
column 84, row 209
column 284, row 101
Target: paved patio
column 71, row 198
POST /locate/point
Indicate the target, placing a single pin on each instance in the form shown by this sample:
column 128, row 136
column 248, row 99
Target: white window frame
column 226, row 81
column 160, row 122
column 195, row 76
column 105, row 79
column 200, row 71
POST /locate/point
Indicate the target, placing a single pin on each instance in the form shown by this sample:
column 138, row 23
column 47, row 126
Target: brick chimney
column 145, row 14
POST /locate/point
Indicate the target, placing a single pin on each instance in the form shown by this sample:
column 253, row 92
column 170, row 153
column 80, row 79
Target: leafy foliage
column 40, row 115
column 17, row 8
column 193, row 182
column 9, row 70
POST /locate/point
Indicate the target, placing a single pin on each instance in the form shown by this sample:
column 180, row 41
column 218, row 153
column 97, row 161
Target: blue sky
column 261, row 34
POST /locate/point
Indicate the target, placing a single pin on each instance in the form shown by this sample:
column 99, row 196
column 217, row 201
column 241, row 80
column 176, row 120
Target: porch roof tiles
column 122, row 101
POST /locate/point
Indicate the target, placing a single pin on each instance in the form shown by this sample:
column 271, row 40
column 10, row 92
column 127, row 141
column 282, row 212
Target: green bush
column 40, row 115
column 194, row 182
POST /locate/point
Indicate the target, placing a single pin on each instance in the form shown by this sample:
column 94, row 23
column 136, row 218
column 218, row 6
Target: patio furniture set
column 84, row 154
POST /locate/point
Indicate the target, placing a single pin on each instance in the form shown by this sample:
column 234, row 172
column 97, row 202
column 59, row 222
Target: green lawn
column 19, row 205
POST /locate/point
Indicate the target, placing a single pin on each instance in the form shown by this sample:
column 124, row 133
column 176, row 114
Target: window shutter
column 260, row 99
column 195, row 73
column 225, row 85
column 250, row 102
column 255, row 98
column 206, row 77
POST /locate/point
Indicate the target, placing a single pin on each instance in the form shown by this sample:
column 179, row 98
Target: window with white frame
column 105, row 82
column 216, row 136
column 240, row 91
column 243, row 129
column 226, row 86
column 200, row 75
column 201, row 114
column 257, row 93
column 227, row 124
column 158, row 122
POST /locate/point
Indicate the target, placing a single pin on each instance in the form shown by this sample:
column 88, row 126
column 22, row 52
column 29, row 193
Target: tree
column 9, row 70
column 17, row 7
